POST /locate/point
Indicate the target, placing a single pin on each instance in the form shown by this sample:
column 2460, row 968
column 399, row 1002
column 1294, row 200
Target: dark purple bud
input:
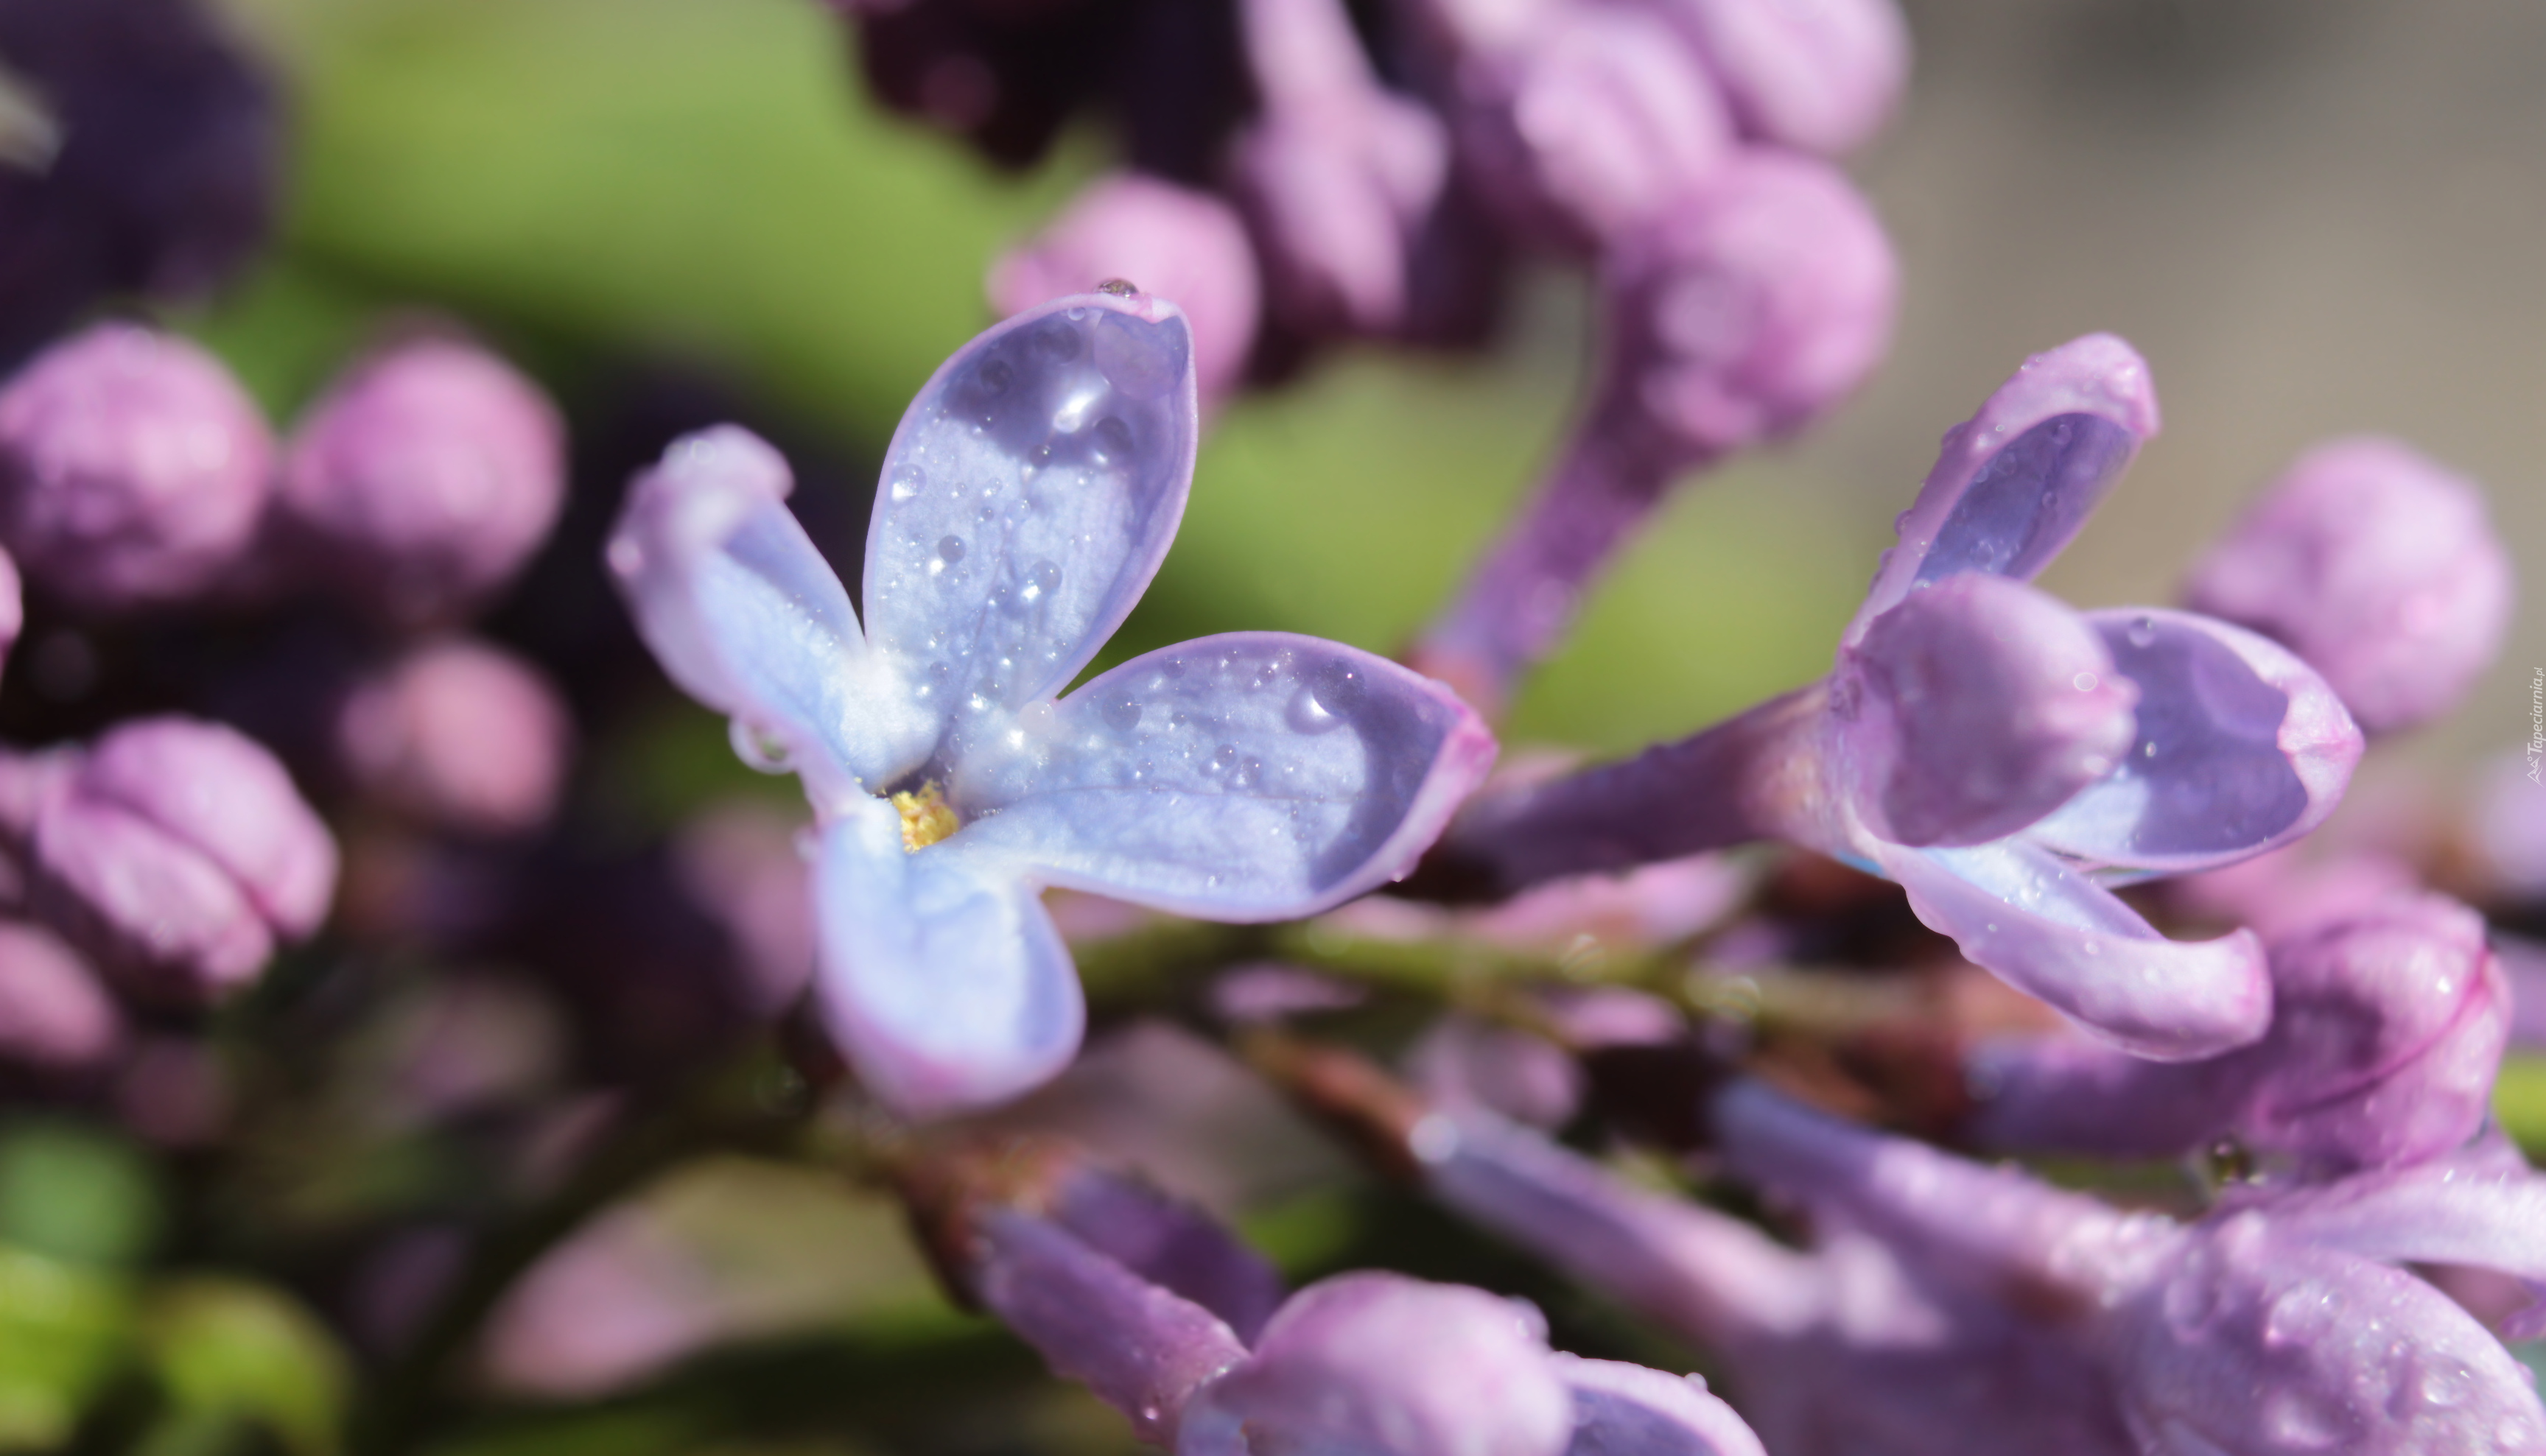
column 146, row 160
column 424, row 479
column 1816, row 75
column 1980, row 705
column 460, row 736
column 1184, row 246
column 132, row 468
column 2378, row 567
column 178, row 852
column 53, row 1013
column 1596, row 121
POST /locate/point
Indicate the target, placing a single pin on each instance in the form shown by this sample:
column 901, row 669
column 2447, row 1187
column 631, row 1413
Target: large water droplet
column 2142, row 632
column 1120, row 713
column 911, row 482
column 1225, row 757
column 758, row 747
column 1113, row 440
column 949, row 549
column 1042, row 580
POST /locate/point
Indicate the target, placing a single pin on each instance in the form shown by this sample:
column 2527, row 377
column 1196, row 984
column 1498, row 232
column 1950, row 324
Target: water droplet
column 1042, row 580
column 996, row 374
column 2085, row 681
column 1057, row 341
column 758, row 747
column 1225, row 755
column 2147, row 750
column 1120, row 715
column 949, row 549
column 1119, row 287
column 911, row 482
column 2142, row 632
column 1113, row 440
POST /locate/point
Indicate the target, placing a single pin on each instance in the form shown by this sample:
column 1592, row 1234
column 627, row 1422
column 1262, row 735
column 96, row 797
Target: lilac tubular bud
column 2387, row 1025
column 132, row 468
column 54, row 1017
column 1738, row 317
column 425, row 478
column 178, row 852
column 1380, row 1362
column 2378, row 567
column 1178, row 244
column 1595, row 122
column 1816, row 75
column 1982, row 705
column 1169, row 1243
column 460, row 736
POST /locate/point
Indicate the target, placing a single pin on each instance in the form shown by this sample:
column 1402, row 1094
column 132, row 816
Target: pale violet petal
column 2482, row 1207
column 1255, row 776
column 747, row 618
column 2242, row 747
column 948, row 989
column 1622, row 1409
column 2014, row 482
column 1027, row 498
column 2046, row 930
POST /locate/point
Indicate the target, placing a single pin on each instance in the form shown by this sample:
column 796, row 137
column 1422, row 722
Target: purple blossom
column 2375, row 565
column 1736, row 317
column 1816, row 75
column 424, row 479
column 458, row 735
column 133, row 469
column 54, row 1015
column 1027, row 498
column 2387, row 1025
column 1946, row 1307
column 1998, row 818
column 176, row 852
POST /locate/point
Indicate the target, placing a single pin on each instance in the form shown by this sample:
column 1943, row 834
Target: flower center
column 926, row 817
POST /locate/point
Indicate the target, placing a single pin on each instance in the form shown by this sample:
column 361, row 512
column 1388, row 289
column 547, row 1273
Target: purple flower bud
column 1380, row 1362
column 1816, row 75
column 2379, row 568
column 53, row 1013
column 1185, row 246
column 1985, row 706
column 177, row 853
column 13, row 607
column 1594, row 122
column 2387, row 1025
column 424, row 479
column 150, row 163
column 132, row 468
column 1338, row 175
column 458, row 735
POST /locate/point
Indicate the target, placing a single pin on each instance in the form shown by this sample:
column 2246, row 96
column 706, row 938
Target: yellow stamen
column 926, row 817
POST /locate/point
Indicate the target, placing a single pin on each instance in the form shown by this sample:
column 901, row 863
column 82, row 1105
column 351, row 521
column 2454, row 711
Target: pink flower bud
column 425, row 478
column 460, row 736
column 177, row 852
column 2377, row 567
column 1753, row 307
column 53, row 1013
column 1816, row 75
column 132, row 468
column 1184, row 246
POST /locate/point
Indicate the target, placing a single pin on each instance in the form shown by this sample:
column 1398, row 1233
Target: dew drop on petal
column 1113, row 439
column 996, row 374
column 911, row 482
column 949, row 549
column 1224, row 755
column 757, row 746
column 2142, row 632
column 1120, row 715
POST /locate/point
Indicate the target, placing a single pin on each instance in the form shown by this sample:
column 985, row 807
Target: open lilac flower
column 2379, row 568
column 2388, row 1026
column 1950, row 1307
column 1027, row 498
column 1992, row 752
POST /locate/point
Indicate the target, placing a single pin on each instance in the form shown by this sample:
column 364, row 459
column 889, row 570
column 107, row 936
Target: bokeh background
column 2313, row 217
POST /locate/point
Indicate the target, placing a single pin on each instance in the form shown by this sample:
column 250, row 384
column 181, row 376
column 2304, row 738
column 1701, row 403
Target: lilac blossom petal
column 2048, row 930
column 1986, row 704
column 1027, row 498
column 2257, row 1341
column 1255, row 776
column 1373, row 1362
column 1139, row 1347
column 1622, row 1409
column 948, row 987
column 1817, row 75
column 2242, row 747
column 1172, row 1243
column 2379, row 568
column 53, row 1013
column 2016, row 481
column 748, row 619
column 2481, row 1207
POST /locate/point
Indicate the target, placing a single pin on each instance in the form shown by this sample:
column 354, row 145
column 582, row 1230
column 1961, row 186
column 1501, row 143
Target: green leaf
column 226, row 1349
column 2519, row 1102
column 62, row 1329
column 76, row 1192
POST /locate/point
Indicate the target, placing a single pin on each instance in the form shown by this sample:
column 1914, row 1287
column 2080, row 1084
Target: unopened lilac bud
column 2376, row 566
column 425, row 478
column 53, row 1013
column 1185, row 246
column 1597, row 121
column 1982, row 705
column 1817, row 75
column 132, row 468
column 178, row 852
column 458, row 735
column 1753, row 307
